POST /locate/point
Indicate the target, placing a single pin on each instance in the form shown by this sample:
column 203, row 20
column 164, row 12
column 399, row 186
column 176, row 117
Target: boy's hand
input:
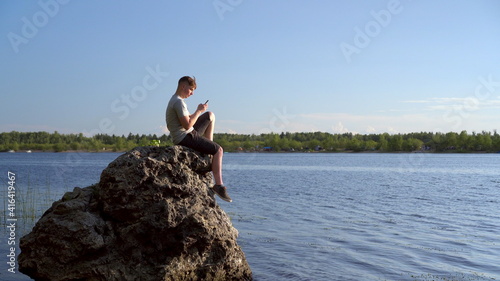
column 202, row 107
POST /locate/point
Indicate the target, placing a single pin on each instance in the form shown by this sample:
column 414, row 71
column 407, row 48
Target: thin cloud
column 416, row 101
column 446, row 104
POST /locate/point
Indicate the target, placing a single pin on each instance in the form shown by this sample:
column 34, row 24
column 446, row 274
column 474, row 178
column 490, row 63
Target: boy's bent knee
column 220, row 150
column 211, row 116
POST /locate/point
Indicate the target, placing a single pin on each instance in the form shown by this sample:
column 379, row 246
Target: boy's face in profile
column 187, row 91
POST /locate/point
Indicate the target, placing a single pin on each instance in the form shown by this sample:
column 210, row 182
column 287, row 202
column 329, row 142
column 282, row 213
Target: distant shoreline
column 64, row 151
column 423, row 142
column 271, row 152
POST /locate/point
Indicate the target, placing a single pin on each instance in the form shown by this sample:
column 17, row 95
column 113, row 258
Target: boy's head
column 186, row 87
column 190, row 81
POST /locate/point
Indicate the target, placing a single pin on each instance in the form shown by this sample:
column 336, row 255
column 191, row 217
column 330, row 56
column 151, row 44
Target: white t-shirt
column 176, row 108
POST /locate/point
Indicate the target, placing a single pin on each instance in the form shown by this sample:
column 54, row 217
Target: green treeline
column 43, row 141
column 317, row 141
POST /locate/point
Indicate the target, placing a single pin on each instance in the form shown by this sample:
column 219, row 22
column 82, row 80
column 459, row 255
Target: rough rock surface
column 150, row 217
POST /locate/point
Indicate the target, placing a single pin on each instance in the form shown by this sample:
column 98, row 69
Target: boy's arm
column 189, row 120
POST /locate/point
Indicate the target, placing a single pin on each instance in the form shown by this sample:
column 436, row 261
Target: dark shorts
column 197, row 141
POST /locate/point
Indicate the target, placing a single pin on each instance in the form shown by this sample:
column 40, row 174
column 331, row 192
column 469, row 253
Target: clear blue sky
column 294, row 66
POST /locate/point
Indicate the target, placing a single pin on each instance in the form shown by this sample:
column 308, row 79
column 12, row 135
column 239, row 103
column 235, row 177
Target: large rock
column 150, row 217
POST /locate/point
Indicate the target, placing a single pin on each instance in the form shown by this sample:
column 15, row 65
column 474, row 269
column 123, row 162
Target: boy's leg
column 219, row 187
column 205, row 125
column 217, row 166
column 201, row 144
column 205, row 145
column 209, row 132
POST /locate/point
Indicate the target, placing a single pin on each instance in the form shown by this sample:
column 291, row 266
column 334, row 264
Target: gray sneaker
column 221, row 191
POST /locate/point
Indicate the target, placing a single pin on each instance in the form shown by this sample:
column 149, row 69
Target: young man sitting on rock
column 195, row 130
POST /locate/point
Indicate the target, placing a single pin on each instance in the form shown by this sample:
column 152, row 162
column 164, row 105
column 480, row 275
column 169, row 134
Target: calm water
column 330, row 216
